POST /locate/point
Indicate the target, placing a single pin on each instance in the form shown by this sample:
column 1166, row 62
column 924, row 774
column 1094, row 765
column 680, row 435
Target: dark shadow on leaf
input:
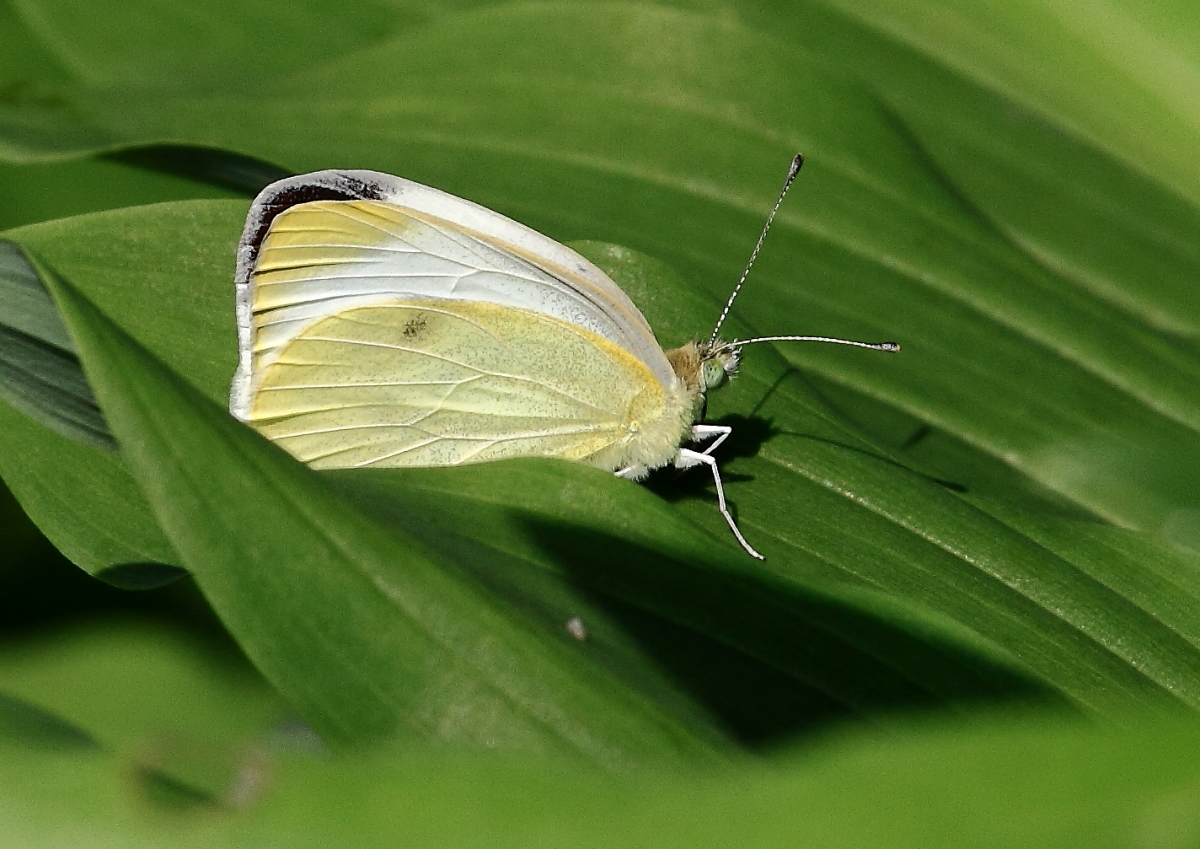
column 40, row 375
column 141, row 576
column 773, row 660
column 168, row 792
column 916, row 437
column 749, row 434
column 950, row 485
column 730, row 641
column 937, row 453
column 219, row 167
column 35, row 728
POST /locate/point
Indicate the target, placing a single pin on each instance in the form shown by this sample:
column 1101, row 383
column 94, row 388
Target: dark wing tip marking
column 283, row 195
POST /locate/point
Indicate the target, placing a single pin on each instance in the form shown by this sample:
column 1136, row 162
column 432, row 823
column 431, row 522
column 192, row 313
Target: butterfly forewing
column 321, row 258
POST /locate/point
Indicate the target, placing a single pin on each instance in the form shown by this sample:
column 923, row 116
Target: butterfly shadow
column 749, row 434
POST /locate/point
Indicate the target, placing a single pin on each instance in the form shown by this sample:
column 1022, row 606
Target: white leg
column 702, row 432
column 688, row 458
column 627, row 472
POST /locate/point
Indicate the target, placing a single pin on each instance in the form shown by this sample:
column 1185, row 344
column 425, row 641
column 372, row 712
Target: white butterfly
column 385, row 323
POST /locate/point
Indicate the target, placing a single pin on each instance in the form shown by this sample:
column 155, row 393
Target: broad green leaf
column 359, row 626
column 1122, row 73
column 34, row 114
column 1047, row 375
column 241, row 40
column 1027, row 334
column 883, row 586
column 1043, row 785
column 137, row 683
column 792, row 672
column 1005, row 188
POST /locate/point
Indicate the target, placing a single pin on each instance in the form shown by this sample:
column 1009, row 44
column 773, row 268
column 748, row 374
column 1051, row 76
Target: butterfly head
column 703, row 366
column 718, row 364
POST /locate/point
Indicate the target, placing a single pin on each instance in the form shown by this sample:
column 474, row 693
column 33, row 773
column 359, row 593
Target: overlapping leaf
column 1035, row 786
column 907, row 227
column 830, row 508
column 366, row 633
column 1042, row 287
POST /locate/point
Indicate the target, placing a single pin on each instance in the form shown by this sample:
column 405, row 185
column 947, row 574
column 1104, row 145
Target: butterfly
column 384, row 323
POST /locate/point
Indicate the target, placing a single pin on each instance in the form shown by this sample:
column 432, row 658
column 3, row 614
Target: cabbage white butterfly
column 385, row 323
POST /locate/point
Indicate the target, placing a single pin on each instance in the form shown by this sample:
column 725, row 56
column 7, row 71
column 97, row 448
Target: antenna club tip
column 890, row 347
column 797, row 161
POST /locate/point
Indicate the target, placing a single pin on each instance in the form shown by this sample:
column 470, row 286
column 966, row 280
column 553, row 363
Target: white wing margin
column 406, row 240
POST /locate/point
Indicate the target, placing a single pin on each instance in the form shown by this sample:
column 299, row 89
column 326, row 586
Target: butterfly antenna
column 787, row 184
column 890, row 347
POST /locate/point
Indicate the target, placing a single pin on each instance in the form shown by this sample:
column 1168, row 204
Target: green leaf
column 39, row 372
column 127, row 685
column 883, row 587
column 822, row 653
column 28, row 725
column 361, row 628
column 1119, row 73
column 1043, row 785
column 936, row 212
column 155, row 40
column 952, row 546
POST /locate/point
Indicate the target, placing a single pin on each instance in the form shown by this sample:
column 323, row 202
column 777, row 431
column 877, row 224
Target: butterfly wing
column 320, row 243
column 442, row 382
column 376, row 332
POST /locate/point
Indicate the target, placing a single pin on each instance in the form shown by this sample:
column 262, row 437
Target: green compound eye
column 713, row 373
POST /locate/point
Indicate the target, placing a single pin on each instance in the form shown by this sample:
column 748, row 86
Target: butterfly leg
column 701, row 432
column 688, row 458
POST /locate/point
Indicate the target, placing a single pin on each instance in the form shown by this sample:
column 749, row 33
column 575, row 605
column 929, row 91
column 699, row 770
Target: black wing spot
column 414, row 327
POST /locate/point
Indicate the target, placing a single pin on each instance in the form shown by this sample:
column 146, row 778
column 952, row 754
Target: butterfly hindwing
column 440, row 382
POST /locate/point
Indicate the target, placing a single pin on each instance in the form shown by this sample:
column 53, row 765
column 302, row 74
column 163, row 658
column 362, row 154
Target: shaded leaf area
column 888, row 584
column 44, row 191
column 769, row 658
column 238, row 173
column 41, row 588
column 39, row 372
column 141, row 576
column 1040, row 286
column 1043, row 785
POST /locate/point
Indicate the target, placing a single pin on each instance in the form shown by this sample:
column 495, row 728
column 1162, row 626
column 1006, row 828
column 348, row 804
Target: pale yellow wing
column 437, row 382
column 320, row 243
